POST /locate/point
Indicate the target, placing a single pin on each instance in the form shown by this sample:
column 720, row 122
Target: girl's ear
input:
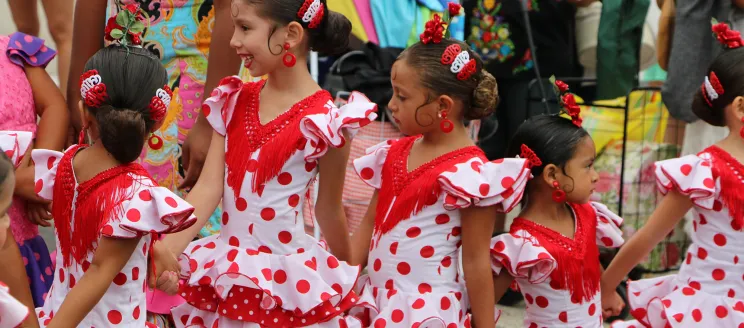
column 549, row 174
column 445, row 104
column 738, row 107
column 86, row 116
column 295, row 33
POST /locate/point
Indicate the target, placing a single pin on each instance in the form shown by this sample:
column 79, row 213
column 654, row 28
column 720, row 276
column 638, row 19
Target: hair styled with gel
column 331, row 37
column 478, row 93
column 729, row 68
column 132, row 76
column 553, row 138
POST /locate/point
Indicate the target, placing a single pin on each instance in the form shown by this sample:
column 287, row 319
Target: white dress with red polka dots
column 708, row 291
column 413, row 278
column 15, row 144
column 12, row 312
column 263, row 270
column 152, row 209
column 523, row 254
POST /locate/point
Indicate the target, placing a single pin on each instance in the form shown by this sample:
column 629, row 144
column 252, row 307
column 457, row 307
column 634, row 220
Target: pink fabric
column 365, row 15
column 17, row 112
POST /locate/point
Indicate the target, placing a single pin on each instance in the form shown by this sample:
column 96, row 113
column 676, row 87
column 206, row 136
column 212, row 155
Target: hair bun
column 485, row 97
column 333, row 35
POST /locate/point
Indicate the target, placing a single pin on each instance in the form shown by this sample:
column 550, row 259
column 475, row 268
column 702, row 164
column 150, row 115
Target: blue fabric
column 38, row 267
column 435, row 5
column 393, row 21
column 29, row 50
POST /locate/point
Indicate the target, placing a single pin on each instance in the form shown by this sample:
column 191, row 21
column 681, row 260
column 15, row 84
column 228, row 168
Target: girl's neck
column 734, row 145
column 91, row 161
column 289, row 79
column 457, row 137
column 541, row 208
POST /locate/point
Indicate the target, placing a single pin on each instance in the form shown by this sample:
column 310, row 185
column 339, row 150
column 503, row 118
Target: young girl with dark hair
column 108, row 211
column 708, row 291
column 551, row 250
column 14, row 285
column 271, row 140
column 436, row 192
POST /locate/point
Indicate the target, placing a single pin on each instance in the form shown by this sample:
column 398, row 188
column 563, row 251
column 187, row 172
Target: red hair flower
column 136, row 40
column 530, row 156
column 132, row 8
column 726, row 36
column 454, row 8
column 562, row 86
column 433, row 31
column 110, row 26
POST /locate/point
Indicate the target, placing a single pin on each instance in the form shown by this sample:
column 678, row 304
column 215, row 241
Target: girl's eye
column 244, row 28
column 401, row 98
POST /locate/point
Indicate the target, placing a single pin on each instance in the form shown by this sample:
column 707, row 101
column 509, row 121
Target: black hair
column 553, row 138
column 331, row 37
column 729, row 69
column 132, row 76
column 478, row 93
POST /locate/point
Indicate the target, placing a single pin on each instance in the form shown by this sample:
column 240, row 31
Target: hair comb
column 530, row 156
column 311, row 13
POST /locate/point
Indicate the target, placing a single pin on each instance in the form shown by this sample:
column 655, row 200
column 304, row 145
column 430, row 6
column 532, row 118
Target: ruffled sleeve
column 219, row 106
column 324, row 130
column 500, row 182
column 152, row 209
column 691, row 175
column 608, row 227
column 369, row 166
column 45, row 171
column 15, row 144
column 522, row 256
column 24, row 49
column 12, row 312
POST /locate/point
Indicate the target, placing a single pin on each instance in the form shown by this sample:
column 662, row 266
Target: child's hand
column 167, row 268
column 612, row 303
column 39, row 213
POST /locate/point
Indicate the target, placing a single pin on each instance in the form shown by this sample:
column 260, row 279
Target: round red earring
column 445, row 124
column 741, row 132
column 559, row 196
column 289, row 59
column 81, row 137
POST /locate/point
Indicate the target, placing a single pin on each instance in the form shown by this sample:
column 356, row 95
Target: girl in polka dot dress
column 708, row 291
column 13, row 146
column 271, row 140
column 435, row 192
column 108, row 211
column 551, row 252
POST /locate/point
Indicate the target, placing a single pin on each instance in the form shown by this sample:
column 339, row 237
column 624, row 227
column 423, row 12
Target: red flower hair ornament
column 460, row 61
column 311, row 13
column 126, row 27
column 567, row 101
column 726, row 36
column 93, row 93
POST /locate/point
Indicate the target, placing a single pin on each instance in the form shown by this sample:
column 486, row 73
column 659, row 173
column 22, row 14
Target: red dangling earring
column 81, row 137
column 559, row 196
column 445, row 124
column 289, row 59
column 741, row 132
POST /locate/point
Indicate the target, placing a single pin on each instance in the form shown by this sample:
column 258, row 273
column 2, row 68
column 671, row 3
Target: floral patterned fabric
column 640, row 197
column 179, row 34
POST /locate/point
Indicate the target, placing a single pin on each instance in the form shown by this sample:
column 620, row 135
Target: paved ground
column 511, row 317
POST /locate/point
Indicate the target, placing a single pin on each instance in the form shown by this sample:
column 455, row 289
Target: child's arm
column 110, row 257
column 328, row 209
column 666, row 216
column 205, row 196
column 14, row 275
column 477, row 226
column 501, row 284
column 223, row 61
column 361, row 240
column 87, row 38
column 50, row 107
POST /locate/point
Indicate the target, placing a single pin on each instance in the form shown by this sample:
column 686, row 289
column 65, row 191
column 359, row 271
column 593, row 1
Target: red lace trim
column 410, row 192
column 98, row 202
column 577, row 259
column 279, row 139
column 731, row 176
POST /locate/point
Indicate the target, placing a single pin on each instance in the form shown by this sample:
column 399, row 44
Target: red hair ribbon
column 711, row 88
column 530, row 156
column 159, row 103
column 568, row 102
column 459, row 61
column 311, row 13
column 92, row 89
column 726, row 36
